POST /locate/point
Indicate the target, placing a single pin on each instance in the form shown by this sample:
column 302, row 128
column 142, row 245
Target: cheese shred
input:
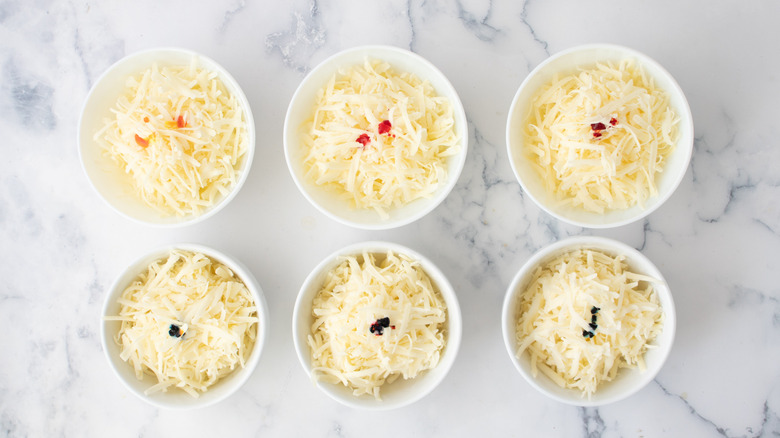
column 379, row 138
column 584, row 316
column 180, row 135
column 600, row 137
column 188, row 321
column 346, row 346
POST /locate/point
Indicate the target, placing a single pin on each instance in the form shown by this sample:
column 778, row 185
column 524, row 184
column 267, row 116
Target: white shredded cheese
column 565, row 297
column 599, row 138
column 187, row 320
column 379, row 138
column 359, row 293
column 180, row 135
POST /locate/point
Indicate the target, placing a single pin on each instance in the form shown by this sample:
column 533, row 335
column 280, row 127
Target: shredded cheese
column 570, row 295
column 379, row 138
column 348, row 346
column 599, row 138
column 180, row 135
column 188, row 320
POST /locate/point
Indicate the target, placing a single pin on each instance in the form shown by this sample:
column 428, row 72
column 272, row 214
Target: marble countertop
column 717, row 240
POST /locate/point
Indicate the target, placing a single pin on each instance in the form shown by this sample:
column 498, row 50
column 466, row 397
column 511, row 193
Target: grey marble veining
column 716, row 240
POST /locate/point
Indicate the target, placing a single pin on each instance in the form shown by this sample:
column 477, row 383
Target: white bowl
column 301, row 107
column 566, row 62
column 111, row 183
column 628, row 381
column 400, row 392
column 174, row 398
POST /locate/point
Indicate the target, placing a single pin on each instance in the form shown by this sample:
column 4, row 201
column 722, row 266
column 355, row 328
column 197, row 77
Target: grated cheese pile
column 180, row 135
column 356, row 295
column 610, row 166
column 556, row 310
column 351, row 152
column 214, row 314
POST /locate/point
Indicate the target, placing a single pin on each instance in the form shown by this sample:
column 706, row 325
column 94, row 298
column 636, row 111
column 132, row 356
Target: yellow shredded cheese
column 558, row 306
column 599, row 138
column 384, row 168
column 187, row 320
column 180, row 135
column 359, row 293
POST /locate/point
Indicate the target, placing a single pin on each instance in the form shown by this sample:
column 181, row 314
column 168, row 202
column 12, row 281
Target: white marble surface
column 716, row 240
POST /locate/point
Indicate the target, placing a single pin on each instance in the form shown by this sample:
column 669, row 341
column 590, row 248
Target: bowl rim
column 454, row 326
column 634, row 258
column 686, row 126
column 379, row 51
column 230, row 83
column 239, row 376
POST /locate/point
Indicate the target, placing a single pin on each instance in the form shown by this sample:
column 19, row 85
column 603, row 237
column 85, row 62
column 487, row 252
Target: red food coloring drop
column 597, row 128
column 613, row 121
column 146, row 119
column 364, row 139
column 384, row 127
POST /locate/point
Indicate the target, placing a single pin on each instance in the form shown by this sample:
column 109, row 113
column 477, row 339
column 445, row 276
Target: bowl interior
column 564, row 63
column 174, row 398
column 627, row 381
column 400, row 392
column 301, row 108
column 111, row 182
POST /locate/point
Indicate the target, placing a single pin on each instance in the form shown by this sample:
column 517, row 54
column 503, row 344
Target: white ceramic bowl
column 400, row 392
column 566, row 62
column 301, row 107
column 111, row 183
column 627, row 381
column 174, row 398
